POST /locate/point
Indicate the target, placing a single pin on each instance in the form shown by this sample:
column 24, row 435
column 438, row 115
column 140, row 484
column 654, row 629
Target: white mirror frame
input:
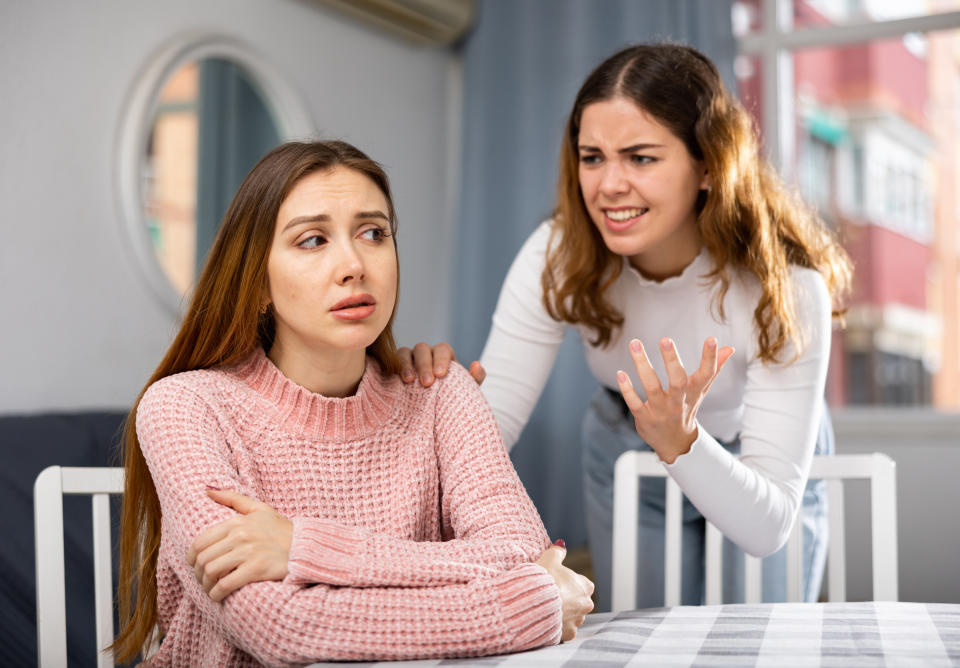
column 285, row 106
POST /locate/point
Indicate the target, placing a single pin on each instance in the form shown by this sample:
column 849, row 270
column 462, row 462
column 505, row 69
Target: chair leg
column 51, row 596
column 837, row 551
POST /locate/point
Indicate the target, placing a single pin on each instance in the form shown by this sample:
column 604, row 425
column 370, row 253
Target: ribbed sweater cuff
column 323, row 552
column 531, row 605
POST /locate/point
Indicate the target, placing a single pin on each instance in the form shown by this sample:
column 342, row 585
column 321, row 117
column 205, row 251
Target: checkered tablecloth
column 778, row 634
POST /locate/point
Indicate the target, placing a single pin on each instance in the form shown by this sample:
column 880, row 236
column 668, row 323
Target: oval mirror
column 209, row 126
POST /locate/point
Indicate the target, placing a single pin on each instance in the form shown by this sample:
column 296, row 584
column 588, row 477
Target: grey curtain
column 236, row 130
column 523, row 64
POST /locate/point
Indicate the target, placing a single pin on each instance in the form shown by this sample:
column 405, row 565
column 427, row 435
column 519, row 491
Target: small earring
column 264, row 307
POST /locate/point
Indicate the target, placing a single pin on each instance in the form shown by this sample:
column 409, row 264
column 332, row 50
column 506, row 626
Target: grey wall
column 80, row 327
column 926, row 449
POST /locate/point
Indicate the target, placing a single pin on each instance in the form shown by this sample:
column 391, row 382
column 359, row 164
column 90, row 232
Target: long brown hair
column 747, row 220
column 222, row 326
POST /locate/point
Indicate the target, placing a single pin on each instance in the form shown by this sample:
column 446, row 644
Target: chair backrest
column 48, row 490
column 876, row 467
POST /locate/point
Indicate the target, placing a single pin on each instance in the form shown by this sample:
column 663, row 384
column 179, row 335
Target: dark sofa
column 29, row 444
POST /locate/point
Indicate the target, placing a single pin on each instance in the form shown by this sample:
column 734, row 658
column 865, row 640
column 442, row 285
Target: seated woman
column 288, row 499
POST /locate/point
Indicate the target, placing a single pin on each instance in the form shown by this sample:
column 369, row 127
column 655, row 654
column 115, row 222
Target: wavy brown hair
column 222, row 326
column 747, row 220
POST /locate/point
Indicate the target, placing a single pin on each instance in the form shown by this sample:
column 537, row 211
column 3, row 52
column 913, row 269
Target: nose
column 612, row 181
column 349, row 265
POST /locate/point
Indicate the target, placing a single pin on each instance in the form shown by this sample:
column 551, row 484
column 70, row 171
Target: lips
column 354, row 301
column 354, row 307
column 622, row 218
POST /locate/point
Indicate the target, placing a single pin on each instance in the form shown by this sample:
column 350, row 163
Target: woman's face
column 332, row 267
column 640, row 186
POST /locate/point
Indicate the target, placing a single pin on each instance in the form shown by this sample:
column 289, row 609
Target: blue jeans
column 607, row 433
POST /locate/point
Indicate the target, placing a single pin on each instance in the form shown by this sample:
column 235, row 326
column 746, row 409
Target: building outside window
column 866, row 128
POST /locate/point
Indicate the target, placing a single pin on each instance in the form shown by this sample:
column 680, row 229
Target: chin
column 624, row 246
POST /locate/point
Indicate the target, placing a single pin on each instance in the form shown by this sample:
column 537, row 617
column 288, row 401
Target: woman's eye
column 642, row 159
column 313, row 241
column 374, row 234
column 590, row 159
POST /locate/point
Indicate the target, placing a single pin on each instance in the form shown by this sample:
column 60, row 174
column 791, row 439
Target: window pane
column 876, row 153
column 809, row 13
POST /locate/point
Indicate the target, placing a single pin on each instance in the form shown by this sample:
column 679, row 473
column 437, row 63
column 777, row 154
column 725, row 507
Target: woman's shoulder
column 810, row 291
column 806, row 283
column 455, row 385
column 197, row 387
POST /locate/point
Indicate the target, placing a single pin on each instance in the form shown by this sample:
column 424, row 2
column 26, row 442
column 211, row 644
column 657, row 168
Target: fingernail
column 666, row 343
column 621, row 376
column 409, row 375
column 426, row 378
column 635, row 345
column 216, row 489
column 560, row 542
column 712, row 342
column 438, row 370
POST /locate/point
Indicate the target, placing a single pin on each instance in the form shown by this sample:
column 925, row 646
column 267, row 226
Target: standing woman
column 287, row 498
column 672, row 240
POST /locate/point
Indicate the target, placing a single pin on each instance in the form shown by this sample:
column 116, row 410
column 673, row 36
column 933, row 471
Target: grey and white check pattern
column 780, row 634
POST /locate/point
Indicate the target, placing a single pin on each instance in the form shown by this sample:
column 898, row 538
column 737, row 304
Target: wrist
column 682, row 446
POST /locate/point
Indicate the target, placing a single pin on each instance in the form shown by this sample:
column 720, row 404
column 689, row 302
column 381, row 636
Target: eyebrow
column 628, row 149
column 324, row 218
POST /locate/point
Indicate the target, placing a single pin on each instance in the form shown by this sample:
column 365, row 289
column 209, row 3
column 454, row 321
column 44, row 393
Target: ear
column 265, row 300
column 706, row 182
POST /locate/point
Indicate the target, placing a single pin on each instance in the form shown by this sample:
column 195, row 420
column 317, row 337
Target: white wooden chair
column 877, row 467
column 48, row 490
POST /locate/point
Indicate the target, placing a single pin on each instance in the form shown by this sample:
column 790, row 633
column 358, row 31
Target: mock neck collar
column 317, row 416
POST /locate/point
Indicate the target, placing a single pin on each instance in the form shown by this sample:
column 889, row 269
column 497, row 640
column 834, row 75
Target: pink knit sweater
column 413, row 536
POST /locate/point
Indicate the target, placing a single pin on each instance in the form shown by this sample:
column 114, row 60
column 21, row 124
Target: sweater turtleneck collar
column 319, row 417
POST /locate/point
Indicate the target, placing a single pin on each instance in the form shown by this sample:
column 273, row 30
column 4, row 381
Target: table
column 775, row 634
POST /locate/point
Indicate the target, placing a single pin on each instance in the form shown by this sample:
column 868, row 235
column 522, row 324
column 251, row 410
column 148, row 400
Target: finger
column 630, row 396
column 723, row 355
column 708, row 365
column 478, row 372
column 210, row 554
column 232, row 581
column 676, row 374
column 217, row 569
column 554, row 555
column 588, row 585
column 236, row 500
column 423, row 363
column 648, row 377
column 442, row 356
column 405, row 355
column 212, row 535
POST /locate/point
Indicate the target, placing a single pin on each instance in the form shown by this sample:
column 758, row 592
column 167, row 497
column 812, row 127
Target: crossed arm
column 485, row 568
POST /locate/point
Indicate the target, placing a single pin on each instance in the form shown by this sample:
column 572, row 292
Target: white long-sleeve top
column 752, row 498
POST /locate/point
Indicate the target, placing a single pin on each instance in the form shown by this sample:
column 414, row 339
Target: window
column 858, row 103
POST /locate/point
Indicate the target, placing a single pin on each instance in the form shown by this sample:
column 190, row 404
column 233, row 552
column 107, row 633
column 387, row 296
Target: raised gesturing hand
column 667, row 420
column 252, row 547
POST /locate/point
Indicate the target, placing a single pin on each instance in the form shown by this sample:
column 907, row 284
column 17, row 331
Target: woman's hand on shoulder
column 575, row 590
column 251, row 547
column 426, row 363
column 667, row 420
